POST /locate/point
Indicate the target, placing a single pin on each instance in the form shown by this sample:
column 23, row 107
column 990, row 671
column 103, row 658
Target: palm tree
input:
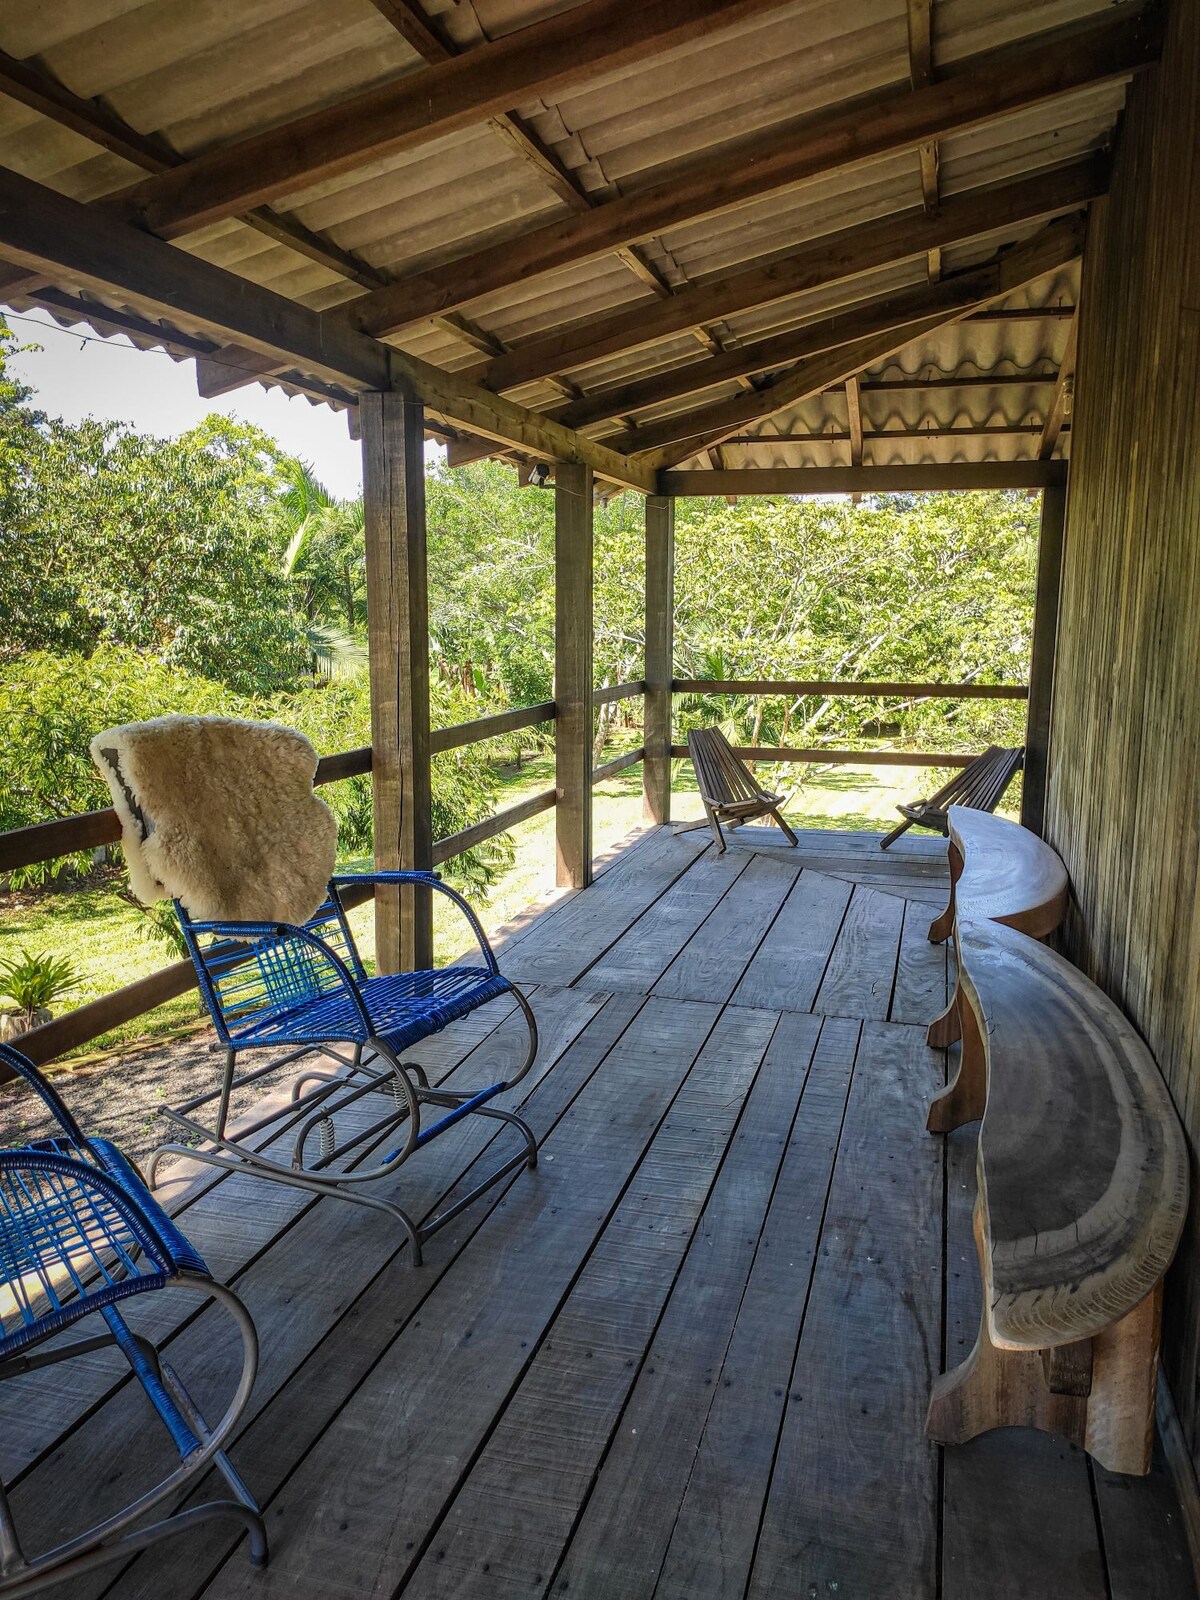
column 325, row 559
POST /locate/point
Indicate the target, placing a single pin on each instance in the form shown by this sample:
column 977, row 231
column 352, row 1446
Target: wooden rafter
column 854, row 414
column 976, row 92
column 1053, row 246
column 1060, row 405
column 48, row 233
column 665, row 444
column 433, row 45
column 93, row 120
column 868, row 480
column 920, row 72
column 675, row 439
column 811, row 265
column 547, row 57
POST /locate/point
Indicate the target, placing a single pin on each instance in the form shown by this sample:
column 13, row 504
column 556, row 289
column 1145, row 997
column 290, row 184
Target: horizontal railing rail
column 618, row 764
column 861, row 758
column 490, row 727
column 618, row 691
column 64, row 836
column 454, row 844
column 801, row 688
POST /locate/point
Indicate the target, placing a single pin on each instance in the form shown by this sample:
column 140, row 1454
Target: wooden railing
column 49, row 841
column 802, row 688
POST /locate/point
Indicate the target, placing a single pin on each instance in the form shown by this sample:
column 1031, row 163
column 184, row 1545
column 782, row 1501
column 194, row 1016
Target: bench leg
column 942, row 925
column 1098, row 1393
column 964, row 1097
column 946, row 1030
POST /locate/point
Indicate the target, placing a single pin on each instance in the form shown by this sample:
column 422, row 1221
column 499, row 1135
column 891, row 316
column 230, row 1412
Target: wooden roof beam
column 45, row 232
column 545, row 58
column 811, row 265
column 665, row 444
column 974, row 92
column 93, row 120
column 930, row 478
column 1053, row 246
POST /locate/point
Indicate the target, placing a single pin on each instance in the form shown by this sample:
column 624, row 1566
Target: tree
column 168, row 546
column 325, row 561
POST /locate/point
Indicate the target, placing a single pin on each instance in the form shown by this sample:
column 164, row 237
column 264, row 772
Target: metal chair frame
column 268, row 985
column 79, row 1235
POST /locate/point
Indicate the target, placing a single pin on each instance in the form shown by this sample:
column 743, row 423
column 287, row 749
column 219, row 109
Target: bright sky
column 74, row 376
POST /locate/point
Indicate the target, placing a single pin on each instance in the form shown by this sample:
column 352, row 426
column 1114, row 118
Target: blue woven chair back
column 247, row 982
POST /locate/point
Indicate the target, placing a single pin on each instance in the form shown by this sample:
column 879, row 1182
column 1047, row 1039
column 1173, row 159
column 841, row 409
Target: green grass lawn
column 105, row 938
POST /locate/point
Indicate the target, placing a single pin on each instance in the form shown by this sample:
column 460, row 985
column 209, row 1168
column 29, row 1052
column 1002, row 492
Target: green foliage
column 916, row 589
column 210, row 573
column 51, row 706
column 31, row 983
column 167, row 546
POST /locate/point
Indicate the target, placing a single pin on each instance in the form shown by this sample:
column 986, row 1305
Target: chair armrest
column 25, row 1069
column 277, row 932
column 430, row 880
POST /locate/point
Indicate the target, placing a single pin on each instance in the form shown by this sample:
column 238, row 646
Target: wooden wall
column 1124, row 782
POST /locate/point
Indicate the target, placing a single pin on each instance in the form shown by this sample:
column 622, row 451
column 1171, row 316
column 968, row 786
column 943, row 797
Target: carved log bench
column 999, row 872
column 1083, row 1184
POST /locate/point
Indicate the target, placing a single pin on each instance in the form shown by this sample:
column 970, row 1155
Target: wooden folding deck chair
column 979, row 785
column 727, row 787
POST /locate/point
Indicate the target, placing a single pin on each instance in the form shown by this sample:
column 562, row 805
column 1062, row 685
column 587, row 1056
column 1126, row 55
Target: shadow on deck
column 687, row 1357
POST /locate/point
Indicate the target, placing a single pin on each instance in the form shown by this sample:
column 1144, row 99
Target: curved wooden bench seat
column 999, row 872
column 1083, row 1186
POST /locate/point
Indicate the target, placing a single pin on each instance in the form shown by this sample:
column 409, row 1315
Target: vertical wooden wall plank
column 398, row 639
column 1041, row 672
column 1124, row 769
column 573, row 671
column 660, row 656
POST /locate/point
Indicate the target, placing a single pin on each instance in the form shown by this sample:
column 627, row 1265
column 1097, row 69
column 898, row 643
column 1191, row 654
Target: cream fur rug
column 221, row 815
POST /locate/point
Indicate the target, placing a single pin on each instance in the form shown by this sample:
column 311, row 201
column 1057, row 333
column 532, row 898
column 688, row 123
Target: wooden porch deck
column 690, row 1355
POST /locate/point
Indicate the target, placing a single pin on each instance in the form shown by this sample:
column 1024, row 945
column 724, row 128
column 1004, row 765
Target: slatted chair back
column 727, row 787
column 723, row 779
column 979, row 785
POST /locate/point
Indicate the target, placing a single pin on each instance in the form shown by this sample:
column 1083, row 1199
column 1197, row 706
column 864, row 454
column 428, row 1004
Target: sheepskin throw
column 221, row 815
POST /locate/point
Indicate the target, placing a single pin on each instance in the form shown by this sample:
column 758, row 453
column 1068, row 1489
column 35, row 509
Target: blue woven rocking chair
column 305, row 990
column 302, row 991
column 80, row 1235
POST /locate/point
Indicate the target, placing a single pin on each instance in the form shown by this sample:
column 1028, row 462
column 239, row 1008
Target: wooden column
column 573, row 671
column 1041, row 669
column 660, row 656
column 398, row 637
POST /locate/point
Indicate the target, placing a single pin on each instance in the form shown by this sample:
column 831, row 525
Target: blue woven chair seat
column 403, row 1007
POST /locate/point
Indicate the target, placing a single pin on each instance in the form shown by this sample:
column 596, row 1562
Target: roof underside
column 194, row 78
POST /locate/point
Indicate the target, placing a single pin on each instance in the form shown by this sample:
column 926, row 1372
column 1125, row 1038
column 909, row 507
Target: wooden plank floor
column 689, row 1356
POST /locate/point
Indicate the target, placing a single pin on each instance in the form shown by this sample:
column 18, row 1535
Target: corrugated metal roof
column 201, row 73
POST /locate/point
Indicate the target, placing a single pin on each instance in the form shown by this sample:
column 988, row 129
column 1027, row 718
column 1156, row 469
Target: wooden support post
column 660, row 657
column 573, row 671
column 398, row 637
column 1041, row 670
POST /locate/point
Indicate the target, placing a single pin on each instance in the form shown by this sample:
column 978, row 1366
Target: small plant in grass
column 159, row 923
column 29, row 985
